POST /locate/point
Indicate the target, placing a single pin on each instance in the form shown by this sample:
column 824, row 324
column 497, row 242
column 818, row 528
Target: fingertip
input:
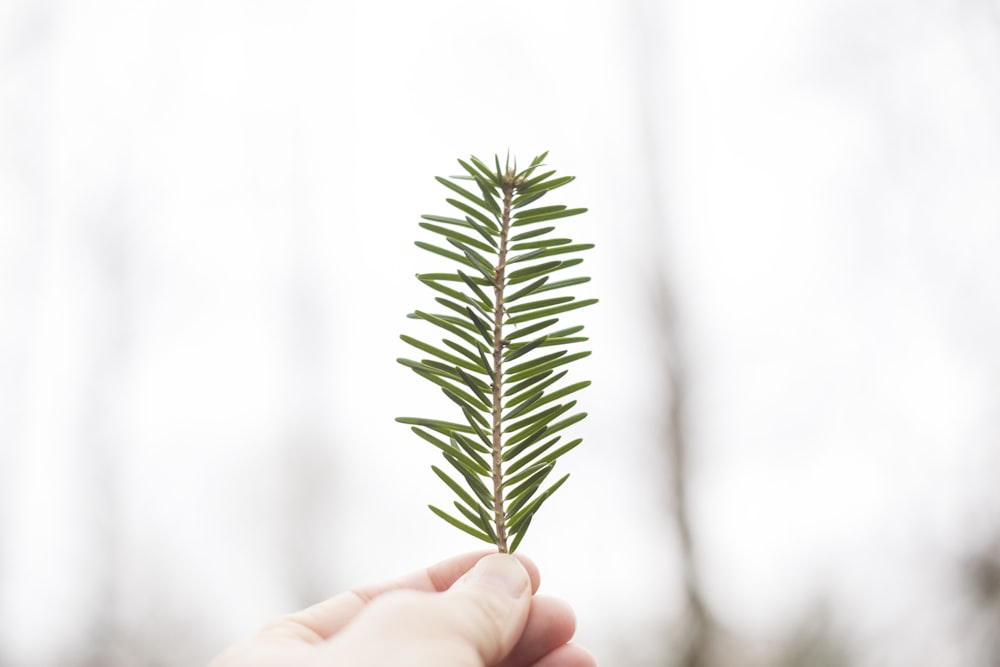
column 551, row 624
column 533, row 572
column 441, row 576
column 502, row 572
column 568, row 655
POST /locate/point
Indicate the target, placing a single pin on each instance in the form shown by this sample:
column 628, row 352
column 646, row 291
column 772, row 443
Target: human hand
column 469, row 611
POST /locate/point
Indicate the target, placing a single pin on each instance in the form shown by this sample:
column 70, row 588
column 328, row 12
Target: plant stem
column 499, row 515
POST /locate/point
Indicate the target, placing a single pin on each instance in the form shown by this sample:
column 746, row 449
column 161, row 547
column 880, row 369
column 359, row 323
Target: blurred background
column 207, row 216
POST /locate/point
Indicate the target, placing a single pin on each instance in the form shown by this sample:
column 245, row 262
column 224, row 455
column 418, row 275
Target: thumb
column 475, row 623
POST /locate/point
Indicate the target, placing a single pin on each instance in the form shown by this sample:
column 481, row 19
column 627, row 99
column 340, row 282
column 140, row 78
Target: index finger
column 325, row 619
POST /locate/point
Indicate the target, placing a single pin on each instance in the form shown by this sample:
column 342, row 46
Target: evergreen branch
column 504, row 361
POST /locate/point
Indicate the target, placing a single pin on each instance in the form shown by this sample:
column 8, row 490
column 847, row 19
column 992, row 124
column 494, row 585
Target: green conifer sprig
column 503, row 359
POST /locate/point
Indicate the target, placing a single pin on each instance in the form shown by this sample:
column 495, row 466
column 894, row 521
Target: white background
column 207, row 216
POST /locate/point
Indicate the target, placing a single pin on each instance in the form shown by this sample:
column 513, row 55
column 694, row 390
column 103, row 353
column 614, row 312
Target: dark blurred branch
column 699, row 630
column 981, row 579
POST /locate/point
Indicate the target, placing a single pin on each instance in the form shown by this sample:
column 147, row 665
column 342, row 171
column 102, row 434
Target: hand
column 469, row 611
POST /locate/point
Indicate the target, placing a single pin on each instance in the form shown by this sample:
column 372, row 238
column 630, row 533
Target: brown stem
column 499, row 515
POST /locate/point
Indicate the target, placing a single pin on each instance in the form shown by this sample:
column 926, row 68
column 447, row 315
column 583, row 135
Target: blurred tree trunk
column 981, row 573
column 698, row 624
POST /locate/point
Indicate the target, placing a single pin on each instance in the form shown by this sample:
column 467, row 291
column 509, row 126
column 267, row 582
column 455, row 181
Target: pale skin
column 473, row 610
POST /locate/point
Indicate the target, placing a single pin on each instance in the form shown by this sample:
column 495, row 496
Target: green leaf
column 535, row 181
column 450, row 277
column 530, row 234
column 565, row 341
column 534, row 305
column 455, row 486
column 442, row 368
column 511, row 478
column 530, row 272
column 543, row 243
column 483, row 231
column 452, row 234
column 448, row 326
column 465, row 464
column 481, row 433
column 537, row 184
column 564, row 283
column 525, row 291
column 476, row 289
column 474, row 357
column 518, row 536
column 528, row 365
column 545, row 416
column 521, row 386
column 464, row 310
column 524, row 493
column 565, row 249
column 481, row 326
column 518, row 202
column 534, row 165
column 566, row 423
column 446, row 220
column 440, row 444
column 493, row 178
column 483, row 180
column 559, row 393
column 559, row 452
column 438, row 425
column 475, row 213
column 526, row 458
column 518, row 397
column 444, row 253
column 444, row 289
column 489, row 196
column 467, row 442
column 462, row 322
column 477, row 520
column 477, row 260
column 518, row 441
column 555, row 310
column 515, row 522
column 552, row 364
column 522, row 350
column 461, row 526
column 435, row 376
column 472, row 478
column 475, row 387
column 538, row 252
column 525, row 405
column 465, row 400
column 441, row 354
column 528, row 330
column 468, row 316
column 526, row 488
column 567, row 331
column 462, row 191
column 544, row 217
column 470, row 448
column 541, row 210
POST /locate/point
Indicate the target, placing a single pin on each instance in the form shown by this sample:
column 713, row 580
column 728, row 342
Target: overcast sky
column 207, row 216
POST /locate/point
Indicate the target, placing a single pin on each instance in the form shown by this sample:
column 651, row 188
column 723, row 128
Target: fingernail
column 502, row 572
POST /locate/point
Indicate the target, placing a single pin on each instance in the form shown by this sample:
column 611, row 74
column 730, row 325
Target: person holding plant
column 468, row 611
